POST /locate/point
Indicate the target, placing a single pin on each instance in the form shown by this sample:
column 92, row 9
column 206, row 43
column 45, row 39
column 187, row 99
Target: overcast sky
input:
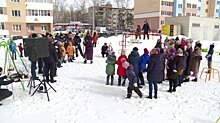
column 112, row 1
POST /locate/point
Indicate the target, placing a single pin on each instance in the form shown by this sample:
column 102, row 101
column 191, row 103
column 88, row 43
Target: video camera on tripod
column 36, row 48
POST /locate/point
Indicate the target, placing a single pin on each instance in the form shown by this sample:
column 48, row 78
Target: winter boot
column 136, row 89
column 128, row 95
column 194, row 80
column 119, row 81
column 112, row 79
column 155, row 95
column 85, row 61
column 47, row 79
column 107, row 82
column 174, row 86
column 91, row 62
column 149, row 97
column 186, row 80
column 170, row 87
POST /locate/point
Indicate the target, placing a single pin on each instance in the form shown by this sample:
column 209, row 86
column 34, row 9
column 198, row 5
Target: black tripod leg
column 51, row 86
column 46, row 91
column 37, row 88
column 30, row 83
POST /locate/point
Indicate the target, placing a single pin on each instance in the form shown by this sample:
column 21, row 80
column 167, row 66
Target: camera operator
column 50, row 62
column 4, row 93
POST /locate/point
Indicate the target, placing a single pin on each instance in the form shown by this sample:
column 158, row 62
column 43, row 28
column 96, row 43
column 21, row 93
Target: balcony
column 44, row 6
column 39, row 19
column 3, row 18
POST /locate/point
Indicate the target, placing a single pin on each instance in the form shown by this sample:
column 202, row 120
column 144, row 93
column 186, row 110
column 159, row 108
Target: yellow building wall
column 16, row 6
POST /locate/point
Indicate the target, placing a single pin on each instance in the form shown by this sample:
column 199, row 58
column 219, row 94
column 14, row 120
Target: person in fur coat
column 70, row 51
column 63, row 53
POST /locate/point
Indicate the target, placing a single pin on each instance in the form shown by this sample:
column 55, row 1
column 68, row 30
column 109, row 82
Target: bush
column 204, row 49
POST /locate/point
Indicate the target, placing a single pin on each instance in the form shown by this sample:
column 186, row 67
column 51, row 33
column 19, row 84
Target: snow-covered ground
column 83, row 97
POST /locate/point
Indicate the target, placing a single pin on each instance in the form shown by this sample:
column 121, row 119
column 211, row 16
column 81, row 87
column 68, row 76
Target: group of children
column 175, row 63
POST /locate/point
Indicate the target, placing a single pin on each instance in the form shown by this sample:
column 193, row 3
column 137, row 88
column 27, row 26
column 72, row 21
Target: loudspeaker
column 36, row 47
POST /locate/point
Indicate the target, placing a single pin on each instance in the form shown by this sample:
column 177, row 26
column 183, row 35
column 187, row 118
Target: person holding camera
column 50, row 62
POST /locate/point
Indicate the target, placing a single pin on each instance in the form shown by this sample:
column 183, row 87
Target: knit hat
column 135, row 49
column 154, row 51
column 199, row 45
column 146, row 51
column 125, row 64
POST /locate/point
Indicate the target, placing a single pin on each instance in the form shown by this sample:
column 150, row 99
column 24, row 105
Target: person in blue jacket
column 142, row 65
column 12, row 47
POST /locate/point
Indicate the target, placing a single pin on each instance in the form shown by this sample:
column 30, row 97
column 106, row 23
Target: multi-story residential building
column 155, row 11
column 110, row 17
column 22, row 17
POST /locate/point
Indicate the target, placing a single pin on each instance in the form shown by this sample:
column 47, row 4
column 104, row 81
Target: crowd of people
column 176, row 62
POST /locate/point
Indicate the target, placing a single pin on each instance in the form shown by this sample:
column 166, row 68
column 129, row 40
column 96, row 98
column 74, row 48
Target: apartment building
column 155, row 11
column 23, row 17
column 110, row 17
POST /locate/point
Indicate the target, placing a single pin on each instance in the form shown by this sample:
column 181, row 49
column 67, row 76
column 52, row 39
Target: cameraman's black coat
column 53, row 55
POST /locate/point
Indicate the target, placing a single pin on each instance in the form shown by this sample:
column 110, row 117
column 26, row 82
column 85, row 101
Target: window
column 188, row 5
column 217, row 10
column 207, row 2
column 194, row 6
column 15, row 13
column 180, row 5
column 206, row 10
column 162, row 22
column 193, row 14
column 16, row 28
column 2, row 26
column 166, row 3
column 1, row 10
column 43, row 28
column 32, row 12
column 167, row 13
column 188, row 14
column 179, row 14
column 195, row 24
column 199, row 0
column 218, row 2
column 30, row 28
column 15, row 1
column 199, row 8
column 216, row 26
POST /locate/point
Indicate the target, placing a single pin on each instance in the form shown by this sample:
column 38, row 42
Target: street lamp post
column 93, row 17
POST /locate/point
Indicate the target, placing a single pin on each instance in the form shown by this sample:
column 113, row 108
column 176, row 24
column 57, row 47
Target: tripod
column 44, row 83
column 31, row 83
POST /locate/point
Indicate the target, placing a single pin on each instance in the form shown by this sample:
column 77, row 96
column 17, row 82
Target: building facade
column 155, row 11
column 23, row 17
column 110, row 17
column 198, row 28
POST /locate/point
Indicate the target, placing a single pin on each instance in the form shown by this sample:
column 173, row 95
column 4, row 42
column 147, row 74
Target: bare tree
column 81, row 5
column 59, row 10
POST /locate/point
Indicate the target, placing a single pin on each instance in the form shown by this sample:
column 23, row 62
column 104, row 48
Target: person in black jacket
column 104, row 50
column 4, row 93
column 50, row 62
column 77, row 44
column 153, row 71
column 209, row 56
column 146, row 28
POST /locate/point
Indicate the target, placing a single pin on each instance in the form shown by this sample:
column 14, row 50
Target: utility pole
column 93, row 17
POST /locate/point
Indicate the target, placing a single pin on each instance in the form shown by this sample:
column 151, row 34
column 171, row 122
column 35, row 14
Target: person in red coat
column 121, row 71
column 94, row 39
column 20, row 49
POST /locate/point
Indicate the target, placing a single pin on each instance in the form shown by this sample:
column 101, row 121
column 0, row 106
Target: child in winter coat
column 70, row 51
column 142, row 65
column 138, row 32
column 130, row 73
column 110, row 67
column 209, row 56
column 20, row 49
column 94, row 39
column 121, row 71
column 63, row 53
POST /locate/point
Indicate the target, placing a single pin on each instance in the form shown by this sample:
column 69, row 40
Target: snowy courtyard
column 83, row 97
